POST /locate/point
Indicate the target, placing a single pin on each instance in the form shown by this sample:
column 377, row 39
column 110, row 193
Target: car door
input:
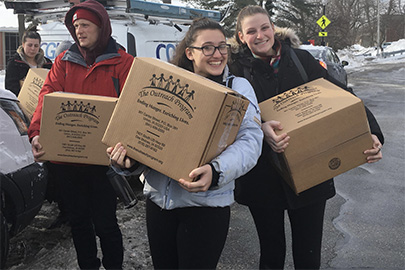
column 336, row 66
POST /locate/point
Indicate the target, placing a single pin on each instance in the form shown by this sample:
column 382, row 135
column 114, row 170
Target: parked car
column 23, row 181
column 329, row 60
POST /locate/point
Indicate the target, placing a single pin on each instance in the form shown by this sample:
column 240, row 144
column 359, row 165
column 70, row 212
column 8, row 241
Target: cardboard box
column 30, row 89
column 328, row 128
column 173, row 120
column 72, row 126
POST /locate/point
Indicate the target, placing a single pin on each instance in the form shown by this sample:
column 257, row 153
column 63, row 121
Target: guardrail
column 388, row 54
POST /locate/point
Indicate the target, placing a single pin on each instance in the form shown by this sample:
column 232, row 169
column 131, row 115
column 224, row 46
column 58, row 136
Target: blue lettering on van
column 49, row 49
column 169, row 50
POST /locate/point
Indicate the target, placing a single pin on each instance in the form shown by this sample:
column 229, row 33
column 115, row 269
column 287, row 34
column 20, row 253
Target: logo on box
column 334, row 163
column 288, row 95
column 171, row 92
column 78, row 110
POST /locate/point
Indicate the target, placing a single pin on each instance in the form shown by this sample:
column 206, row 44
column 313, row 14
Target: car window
column 20, row 120
column 316, row 53
column 335, row 57
column 329, row 56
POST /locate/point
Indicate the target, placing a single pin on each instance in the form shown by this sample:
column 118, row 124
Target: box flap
column 226, row 126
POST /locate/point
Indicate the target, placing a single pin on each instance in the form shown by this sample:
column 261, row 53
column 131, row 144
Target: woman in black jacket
column 262, row 54
column 28, row 55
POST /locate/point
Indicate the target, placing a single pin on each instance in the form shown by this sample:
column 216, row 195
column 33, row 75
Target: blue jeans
column 92, row 204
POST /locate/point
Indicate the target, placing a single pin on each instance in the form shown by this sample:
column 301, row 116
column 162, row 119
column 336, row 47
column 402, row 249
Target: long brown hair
column 246, row 12
column 180, row 59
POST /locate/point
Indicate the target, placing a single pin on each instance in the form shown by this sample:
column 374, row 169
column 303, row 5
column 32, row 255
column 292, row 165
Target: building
column 9, row 42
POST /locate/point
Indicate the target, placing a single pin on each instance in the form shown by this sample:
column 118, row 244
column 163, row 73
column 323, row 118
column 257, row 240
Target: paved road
column 365, row 221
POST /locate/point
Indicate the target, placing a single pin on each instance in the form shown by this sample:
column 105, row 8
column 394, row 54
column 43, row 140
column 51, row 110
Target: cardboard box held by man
column 328, row 129
column 173, row 120
column 72, row 126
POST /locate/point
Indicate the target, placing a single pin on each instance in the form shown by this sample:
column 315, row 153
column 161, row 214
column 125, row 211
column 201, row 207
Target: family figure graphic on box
column 77, row 107
column 157, row 82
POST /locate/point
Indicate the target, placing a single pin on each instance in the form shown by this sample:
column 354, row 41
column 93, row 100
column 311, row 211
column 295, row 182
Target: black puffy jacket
column 17, row 70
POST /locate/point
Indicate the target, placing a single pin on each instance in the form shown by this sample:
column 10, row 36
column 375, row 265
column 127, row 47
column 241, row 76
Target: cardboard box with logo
column 72, row 126
column 30, row 89
column 173, row 120
column 328, row 131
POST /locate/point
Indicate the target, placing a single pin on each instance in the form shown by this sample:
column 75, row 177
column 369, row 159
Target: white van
column 139, row 39
column 144, row 28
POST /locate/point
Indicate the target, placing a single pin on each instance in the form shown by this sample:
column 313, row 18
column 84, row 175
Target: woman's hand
column 118, row 157
column 374, row 154
column 204, row 174
column 277, row 142
column 37, row 149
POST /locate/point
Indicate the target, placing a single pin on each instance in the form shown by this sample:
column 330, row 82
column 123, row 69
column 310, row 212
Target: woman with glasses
column 188, row 222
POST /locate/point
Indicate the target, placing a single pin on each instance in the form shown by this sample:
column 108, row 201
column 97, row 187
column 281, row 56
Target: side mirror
column 345, row 63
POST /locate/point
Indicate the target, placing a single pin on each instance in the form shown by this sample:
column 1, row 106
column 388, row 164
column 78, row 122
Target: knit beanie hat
column 86, row 14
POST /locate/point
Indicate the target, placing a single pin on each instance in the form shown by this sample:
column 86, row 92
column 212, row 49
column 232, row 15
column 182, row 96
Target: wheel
column 4, row 241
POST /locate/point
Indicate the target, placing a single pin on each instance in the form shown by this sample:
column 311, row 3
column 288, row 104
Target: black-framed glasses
column 209, row 50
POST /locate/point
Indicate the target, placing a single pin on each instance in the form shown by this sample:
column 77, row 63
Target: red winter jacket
column 70, row 72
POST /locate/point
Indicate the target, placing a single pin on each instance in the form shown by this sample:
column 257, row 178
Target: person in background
column 63, row 46
column 96, row 65
column 28, row 55
column 262, row 53
column 188, row 222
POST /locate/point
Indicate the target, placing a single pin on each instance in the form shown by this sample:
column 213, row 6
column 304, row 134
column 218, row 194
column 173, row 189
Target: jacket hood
column 281, row 34
column 105, row 32
column 39, row 58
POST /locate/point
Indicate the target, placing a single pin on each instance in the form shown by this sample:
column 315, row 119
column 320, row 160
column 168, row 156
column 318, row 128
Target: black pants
column 306, row 228
column 92, row 204
column 186, row 238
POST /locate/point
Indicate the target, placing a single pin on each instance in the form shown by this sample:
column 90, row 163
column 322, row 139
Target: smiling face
column 258, row 34
column 31, row 47
column 208, row 65
column 87, row 33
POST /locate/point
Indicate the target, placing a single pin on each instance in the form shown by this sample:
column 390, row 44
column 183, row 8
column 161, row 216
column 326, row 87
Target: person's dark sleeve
column 12, row 80
column 215, row 176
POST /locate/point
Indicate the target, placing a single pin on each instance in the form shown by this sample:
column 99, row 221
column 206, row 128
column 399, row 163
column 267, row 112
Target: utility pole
column 378, row 27
column 21, row 26
column 323, row 38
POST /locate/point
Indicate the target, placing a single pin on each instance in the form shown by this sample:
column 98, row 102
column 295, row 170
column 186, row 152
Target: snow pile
column 358, row 56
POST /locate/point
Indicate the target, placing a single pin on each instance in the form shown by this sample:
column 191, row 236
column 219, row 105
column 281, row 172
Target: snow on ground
column 359, row 56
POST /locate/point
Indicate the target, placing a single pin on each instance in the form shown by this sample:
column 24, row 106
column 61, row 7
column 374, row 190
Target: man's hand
column 37, row 149
column 277, row 142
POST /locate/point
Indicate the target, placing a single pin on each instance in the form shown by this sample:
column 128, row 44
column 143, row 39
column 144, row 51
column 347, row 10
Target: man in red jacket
column 95, row 64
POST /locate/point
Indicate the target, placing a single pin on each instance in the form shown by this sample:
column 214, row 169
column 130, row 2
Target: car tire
column 4, row 241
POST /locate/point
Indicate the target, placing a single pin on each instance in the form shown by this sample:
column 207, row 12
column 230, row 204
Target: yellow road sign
column 323, row 34
column 323, row 22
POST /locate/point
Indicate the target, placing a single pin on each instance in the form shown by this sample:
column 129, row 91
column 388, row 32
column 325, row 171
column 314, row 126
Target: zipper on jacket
column 165, row 196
